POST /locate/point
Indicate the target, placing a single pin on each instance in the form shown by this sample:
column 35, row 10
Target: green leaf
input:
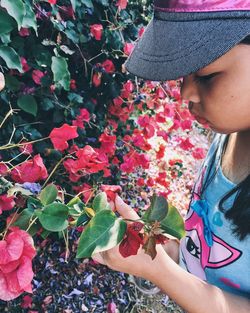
column 88, row 4
column 48, row 194
column 60, row 71
column 54, row 217
column 16, row 9
column 7, row 23
column 29, row 19
column 173, row 223
column 83, row 219
column 24, row 219
column 28, row 104
column 12, row 83
column 11, row 58
column 157, row 211
column 100, row 202
column 103, row 232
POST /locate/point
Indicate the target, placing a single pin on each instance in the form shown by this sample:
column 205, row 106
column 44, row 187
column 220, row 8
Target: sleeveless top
column 210, row 250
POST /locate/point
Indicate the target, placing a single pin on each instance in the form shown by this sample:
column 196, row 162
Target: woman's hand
column 138, row 265
column 2, row 81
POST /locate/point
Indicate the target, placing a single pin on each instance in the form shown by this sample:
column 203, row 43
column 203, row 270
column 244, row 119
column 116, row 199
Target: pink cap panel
column 201, row 5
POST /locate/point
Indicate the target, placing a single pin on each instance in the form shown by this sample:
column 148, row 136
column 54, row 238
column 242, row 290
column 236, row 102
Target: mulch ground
column 76, row 286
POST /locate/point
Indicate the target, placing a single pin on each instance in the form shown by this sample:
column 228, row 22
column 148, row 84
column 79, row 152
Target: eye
column 204, row 79
column 192, row 248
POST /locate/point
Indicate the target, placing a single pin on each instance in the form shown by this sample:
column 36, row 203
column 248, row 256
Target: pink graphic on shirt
column 196, row 253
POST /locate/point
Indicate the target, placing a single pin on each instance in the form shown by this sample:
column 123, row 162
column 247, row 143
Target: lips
column 201, row 120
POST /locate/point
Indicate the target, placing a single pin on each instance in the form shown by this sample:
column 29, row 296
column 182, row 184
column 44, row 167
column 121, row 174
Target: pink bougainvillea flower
column 37, row 75
column 199, row 153
column 97, row 79
column 26, row 302
column 85, row 191
column 16, row 253
column 108, row 143
column 111, row 191
column 25, row 65
column 96, row 31
column 60, row 136
column 108, row 65
column 3, row 169
column 186, row 144
column 52, row 1
column 26, row 148
column 24, row 32
column 6, row 203
column 84, row 116
column 88, row 161
column 72, row 84
column 161, row 152
column 30, row 171
column 122, row 4
column 128, row 48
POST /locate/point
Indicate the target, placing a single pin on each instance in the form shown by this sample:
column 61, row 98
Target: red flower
column 199, row 153
column 3, row 168
column 88, row 161
column 26, row 148
column 108, row 65
column 96, row 31
column 82, row 117
column 16, row 253
column 26, row 302
column 72, row 84
column 111, row 191
column 30, row 171
column 97, row 79
column 24, row 32
column 37, row 75
column 160, row 153
column 108, row 143
column 128, row 48
column 59, row 136
column 85, row 190
column 6, row 203
column 133, row 240
column 52, row 1
column 25, row 65
column 186, row 144
column 122, row 4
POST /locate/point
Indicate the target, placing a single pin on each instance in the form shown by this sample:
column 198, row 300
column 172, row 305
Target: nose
column 189, row 90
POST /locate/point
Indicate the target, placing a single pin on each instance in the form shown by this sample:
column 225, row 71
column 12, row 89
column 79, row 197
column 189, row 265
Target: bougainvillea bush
column 75, row 127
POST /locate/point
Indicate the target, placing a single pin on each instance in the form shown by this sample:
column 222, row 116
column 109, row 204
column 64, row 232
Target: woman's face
column 220, row 92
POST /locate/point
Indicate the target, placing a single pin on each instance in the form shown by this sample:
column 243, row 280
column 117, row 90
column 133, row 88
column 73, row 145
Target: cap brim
column 172, row 49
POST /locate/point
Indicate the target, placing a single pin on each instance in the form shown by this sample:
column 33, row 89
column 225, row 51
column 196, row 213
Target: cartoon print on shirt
column 197, row 254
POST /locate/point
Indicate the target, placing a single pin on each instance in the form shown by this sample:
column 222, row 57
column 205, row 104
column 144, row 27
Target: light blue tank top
column 210, row 250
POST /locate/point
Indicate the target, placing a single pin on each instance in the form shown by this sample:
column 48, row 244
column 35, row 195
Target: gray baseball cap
column 185, row 36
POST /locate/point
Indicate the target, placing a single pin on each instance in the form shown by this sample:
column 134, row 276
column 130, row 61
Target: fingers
column 97, row 257
column 125, row 210
column 2, row 81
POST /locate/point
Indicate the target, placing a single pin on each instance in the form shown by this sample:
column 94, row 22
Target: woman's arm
column 190, row 292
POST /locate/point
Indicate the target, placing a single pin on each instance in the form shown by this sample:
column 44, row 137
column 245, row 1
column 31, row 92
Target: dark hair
column 239, row 213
